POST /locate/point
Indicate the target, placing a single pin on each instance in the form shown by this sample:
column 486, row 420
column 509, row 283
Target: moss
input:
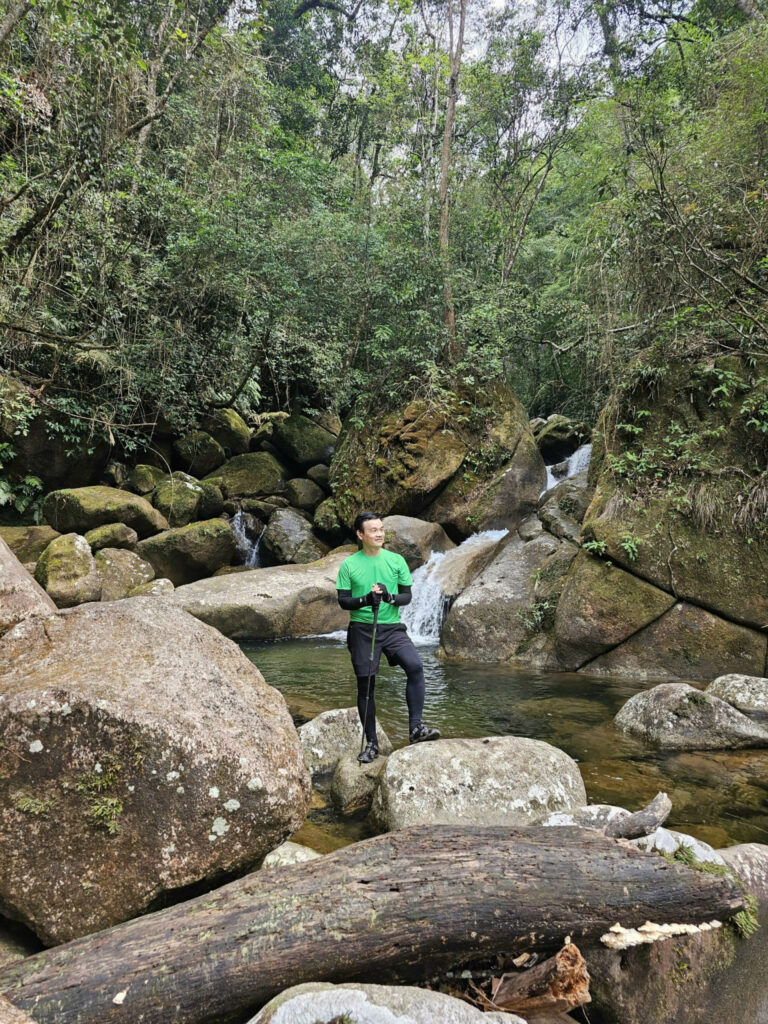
column 35, row 805
column 105, row 813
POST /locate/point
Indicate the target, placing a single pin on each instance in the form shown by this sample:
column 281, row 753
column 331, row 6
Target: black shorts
column 392, row 640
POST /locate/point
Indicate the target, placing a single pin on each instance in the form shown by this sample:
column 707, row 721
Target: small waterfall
column 574, row 464
column 248, row 548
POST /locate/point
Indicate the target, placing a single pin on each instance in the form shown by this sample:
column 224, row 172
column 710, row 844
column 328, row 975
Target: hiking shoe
column 422, row 733
column 370, row 753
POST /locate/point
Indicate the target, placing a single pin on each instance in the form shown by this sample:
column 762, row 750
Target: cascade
column 248, row 548
column 574, row 464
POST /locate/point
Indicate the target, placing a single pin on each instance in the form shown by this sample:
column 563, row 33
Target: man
column 372, row 578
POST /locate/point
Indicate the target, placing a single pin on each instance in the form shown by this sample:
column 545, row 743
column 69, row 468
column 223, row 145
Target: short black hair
column 361, row 518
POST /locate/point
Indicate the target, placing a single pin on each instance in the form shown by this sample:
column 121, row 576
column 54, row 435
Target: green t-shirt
column 359, row 572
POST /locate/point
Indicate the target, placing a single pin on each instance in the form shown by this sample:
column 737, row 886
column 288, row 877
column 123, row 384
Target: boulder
column 665, row 840
column 746, row 693
column 79, row 509
column 27, row 542
column 289, row 853
column 141, row 752
column 498, row 780
column 333, row 734
column 229, row 429
column 155, row 588
column 191, row 552
column 144, row 479
column 121, row 572
column 353, row 784
column 328, row 521
column 319, row 475
column 558, row 437
column 415, row 539
column 211, row 502
column 302, row 440
column 302, row 493
column 67, row 571
column 199, row 453
column 323, row 1003
column 178, row 498
column 328, row 420
column 675, row 716
column 600, row 607
column 466, row 562
column 685, row 643
column 20, row 595
column 563, row 507
column 249, row 476
column 113, row 535
column 264, row 604
column 289, row 538
column 115, row 474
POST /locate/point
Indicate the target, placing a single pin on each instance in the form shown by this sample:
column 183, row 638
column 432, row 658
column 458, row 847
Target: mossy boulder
column 67, row 572
column 681, row 494
column 228, row 429
column 113, row 535
column 198, row 453
column 563, row 507
column 328, row 521
column 144, row 479
column 290, row 539
column 558, row 437
column 304, row 494
column 302, row 440
column 121, row 571
column 80, row 509
column 191, row 552
column 177, row 497
column 155, row 588
column 319, row 475
column 252, row 475
column 27, row 542
column 211, row 500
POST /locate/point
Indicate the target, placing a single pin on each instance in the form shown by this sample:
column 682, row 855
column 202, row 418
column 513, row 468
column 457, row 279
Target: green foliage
column 595, row 547
column 535, row 617
column 629, row 545
column 105, row 812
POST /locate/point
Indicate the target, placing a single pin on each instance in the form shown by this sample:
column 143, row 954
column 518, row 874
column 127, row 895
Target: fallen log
column 402, row 906
column 642, row 822
column 555, row 986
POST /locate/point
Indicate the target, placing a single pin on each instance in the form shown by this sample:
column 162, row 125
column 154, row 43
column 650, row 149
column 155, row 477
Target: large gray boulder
column 264, row 604
column 562, row 508
column 191, row 552
column 199, row 453
column 676, row 716
column 20, row 595
column 414, row 539
column 302, row 440
column 354, row 784
column 498, row 780
column 229, row 429
column 144, row 753
column 746, row 693
column 251, row 475
column 113, row 535
column 331, row 736
column 79, row 509
column 121, row 572
column 466, row 562
column 67, row 571
column 304, row 494
column 290, row 539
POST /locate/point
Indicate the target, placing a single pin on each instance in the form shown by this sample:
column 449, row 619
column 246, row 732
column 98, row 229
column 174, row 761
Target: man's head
column 369, row 529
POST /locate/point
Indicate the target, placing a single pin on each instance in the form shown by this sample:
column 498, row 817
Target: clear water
column 247, row 549
column 576, row 463
column 719, row 797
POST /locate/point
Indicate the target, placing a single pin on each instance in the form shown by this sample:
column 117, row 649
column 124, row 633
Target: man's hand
column 381, row 589
column 378, row 592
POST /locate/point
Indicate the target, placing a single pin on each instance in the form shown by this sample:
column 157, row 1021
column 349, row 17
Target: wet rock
column 144, row 479
column 67, row 571
column 155, row 588
column 333, row 735
column 319, row 475
column 685, row 643
column 249, row 476
column 264, row 604
column 141, row 752
column 370, row 1004
column 20, row 595
column 354, row 784
column 559, row 437
column 229, row 429
column 303, row 441
column 499, row 780
column 290, row 539
column 667, row 841
column 675, row 716
column 191, row 552
column 198, row 453
column 178, row 498
column 80, row 509
column 121, row 572
column 304, row 494
column 414, row 539
column 113, row 535
column 746, row 693
column 562, row 508
column 27, row 542
column 289, row 853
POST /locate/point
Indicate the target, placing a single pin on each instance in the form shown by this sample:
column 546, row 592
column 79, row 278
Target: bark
column 558, row 985
column 12, row 18
column 394, row 908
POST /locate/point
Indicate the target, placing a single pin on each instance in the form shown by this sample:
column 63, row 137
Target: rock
column 600, row 607
column 211, row 502
column 530, row 528
column 333, row 734
column 20, row 595
column 559, row 437
column 261, row 510
column 113, row 535
column 562, row 508
column 747, row 693
column 121, row 572
column 199, row 453
column 328, row 522
column 414, row 539
column 498, row 780
column 328, row 420
column 354, row 784
column 323, row 1003
column 685, row 643
column 264, row 604
column 249, row 476
column 289, row 853
column 115, row 474
column 67, row 571
column 191, row 552
column 229, row 429
column 144, row 479
column 592, row 816
column 319, row 475
column 16, row 943
column 155, row 588
column 80, row 509
column 290, row 539
column 305, row 494
column 303, row 441
column 675, row 716
column 154, row 756
column 467, row 562
column 160, row 453
column 665, row 840
column 27, row 542
column 178, row 498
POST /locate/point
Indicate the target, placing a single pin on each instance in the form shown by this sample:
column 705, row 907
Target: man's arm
column 401, row 598
column 351, row 604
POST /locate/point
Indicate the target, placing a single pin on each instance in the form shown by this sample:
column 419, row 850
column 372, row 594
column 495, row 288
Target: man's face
column 372, row 533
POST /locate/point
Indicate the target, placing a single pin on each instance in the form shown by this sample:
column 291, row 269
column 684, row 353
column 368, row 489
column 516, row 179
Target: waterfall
column 248, row 548
column 574, row 464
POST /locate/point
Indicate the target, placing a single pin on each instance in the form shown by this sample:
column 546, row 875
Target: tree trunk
column 556, row 986
column 397, row 907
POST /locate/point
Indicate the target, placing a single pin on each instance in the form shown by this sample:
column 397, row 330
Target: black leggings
column 414, row 696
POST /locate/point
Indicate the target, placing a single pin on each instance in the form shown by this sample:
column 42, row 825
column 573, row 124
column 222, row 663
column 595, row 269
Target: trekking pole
column 370, row 671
